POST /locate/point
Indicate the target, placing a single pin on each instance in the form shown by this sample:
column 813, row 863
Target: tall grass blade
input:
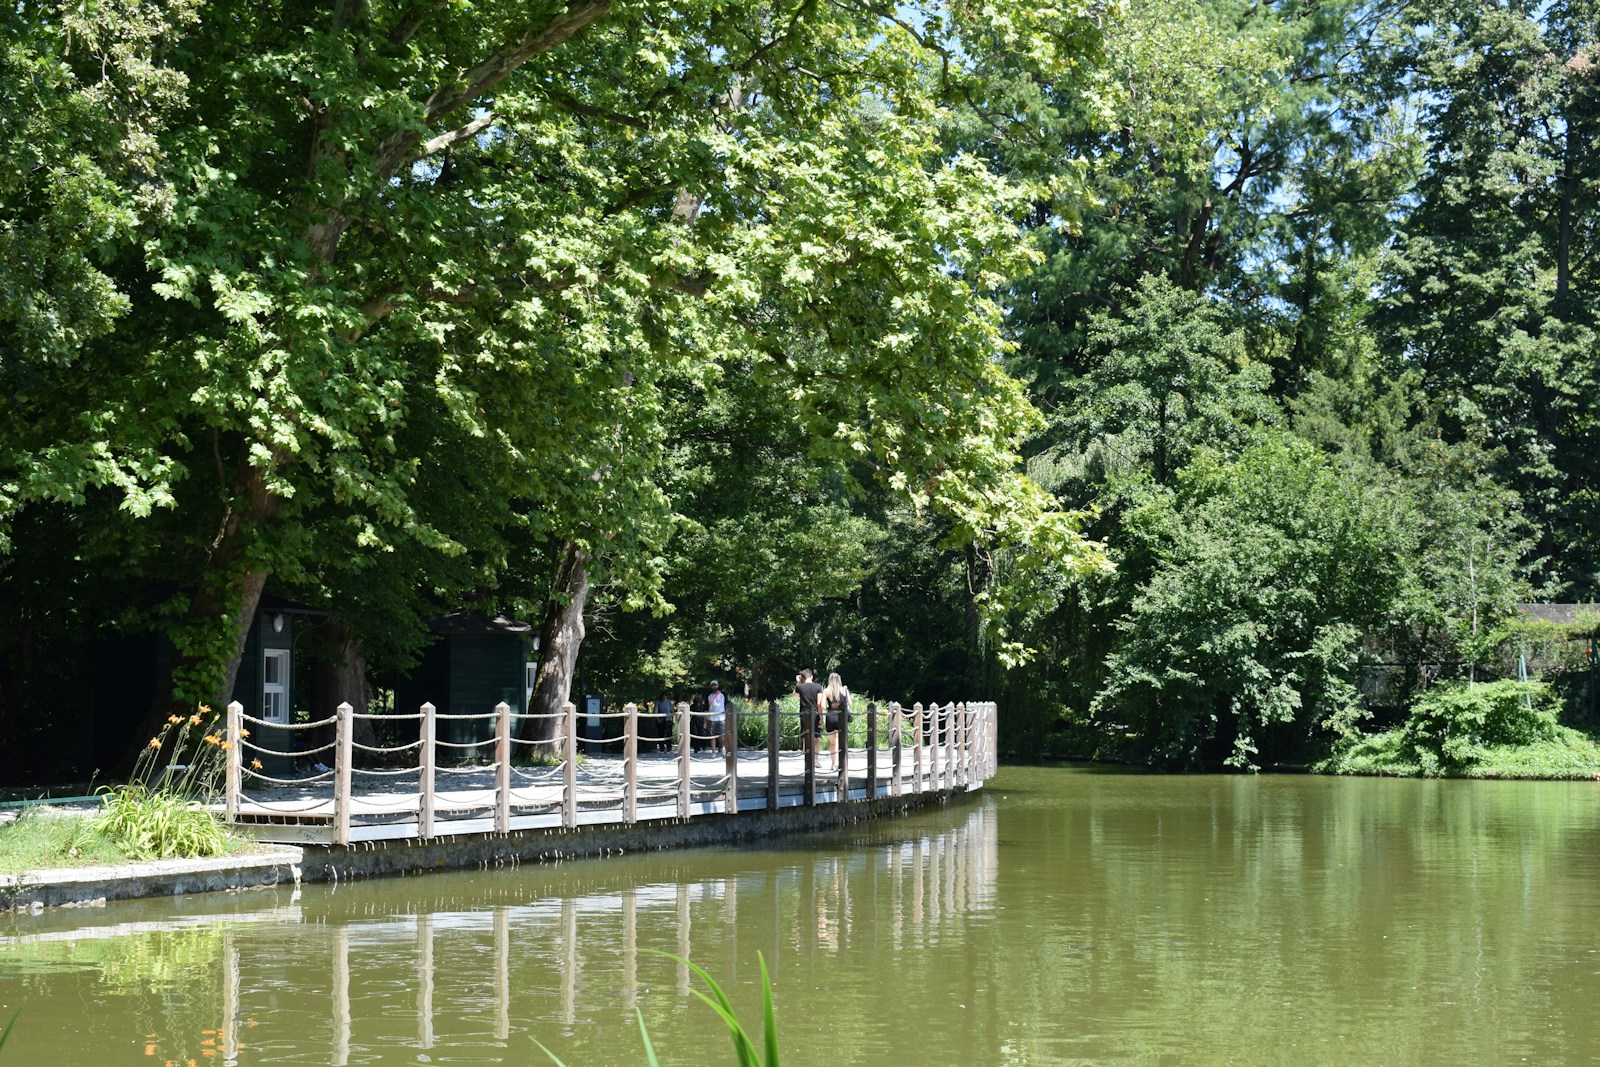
column 5, row 1031
column 769, row 1016
column 649, row 1046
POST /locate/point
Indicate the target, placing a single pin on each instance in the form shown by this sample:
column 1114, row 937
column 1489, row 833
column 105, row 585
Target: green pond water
column 1064, row 916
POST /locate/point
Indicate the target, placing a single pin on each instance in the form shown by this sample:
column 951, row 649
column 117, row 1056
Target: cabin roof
column 478, row 622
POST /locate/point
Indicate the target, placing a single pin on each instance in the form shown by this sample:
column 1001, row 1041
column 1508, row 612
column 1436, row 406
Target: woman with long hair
column 836, row 702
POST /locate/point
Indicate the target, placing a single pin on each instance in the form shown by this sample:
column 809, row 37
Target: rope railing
column 487, row 783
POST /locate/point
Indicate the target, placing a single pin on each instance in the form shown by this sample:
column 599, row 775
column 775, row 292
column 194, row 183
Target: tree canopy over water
column 1149, row 359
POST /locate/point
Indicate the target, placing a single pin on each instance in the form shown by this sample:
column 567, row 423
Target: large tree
column 432, row 260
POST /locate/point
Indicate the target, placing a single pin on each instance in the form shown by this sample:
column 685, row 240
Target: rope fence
column 638, row 765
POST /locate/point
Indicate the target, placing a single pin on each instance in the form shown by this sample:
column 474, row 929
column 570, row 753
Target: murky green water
column 1066, row 916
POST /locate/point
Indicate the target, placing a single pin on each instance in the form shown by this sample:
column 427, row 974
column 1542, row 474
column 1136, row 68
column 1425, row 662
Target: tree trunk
column 226, row 595
column 559, row 640
column 338, row 676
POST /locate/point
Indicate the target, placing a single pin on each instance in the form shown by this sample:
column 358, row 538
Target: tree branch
column 456, row 136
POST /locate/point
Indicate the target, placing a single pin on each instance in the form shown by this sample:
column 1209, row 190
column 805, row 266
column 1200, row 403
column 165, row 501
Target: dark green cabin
column 477, row 661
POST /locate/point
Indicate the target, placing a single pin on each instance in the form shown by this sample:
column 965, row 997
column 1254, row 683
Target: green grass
column 39, row 842
column 1567, row 756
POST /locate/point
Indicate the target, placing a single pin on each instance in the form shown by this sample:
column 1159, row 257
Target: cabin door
column 275, row 684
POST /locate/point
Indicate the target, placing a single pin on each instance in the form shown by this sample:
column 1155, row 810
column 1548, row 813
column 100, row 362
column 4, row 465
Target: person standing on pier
column 716, row 708
column 808, row 692
column 837, row 718
column 661, row 729
column 697, row 722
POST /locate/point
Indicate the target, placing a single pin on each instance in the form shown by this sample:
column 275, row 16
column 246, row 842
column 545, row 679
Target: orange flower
column 224, row 745
column 243, row 732
column 194, row 720
column 205, row 709
column 255, row 764
column 174, row 720
column 155, row 742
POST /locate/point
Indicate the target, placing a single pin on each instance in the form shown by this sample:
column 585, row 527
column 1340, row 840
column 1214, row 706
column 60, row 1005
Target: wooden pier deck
column 938, row 749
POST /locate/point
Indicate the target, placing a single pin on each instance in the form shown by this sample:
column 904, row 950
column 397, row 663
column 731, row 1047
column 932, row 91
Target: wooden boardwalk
column 938, row 749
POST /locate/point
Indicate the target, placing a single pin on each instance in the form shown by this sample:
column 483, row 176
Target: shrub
column 161, row 813
column 157, row 824
column 1452, row 724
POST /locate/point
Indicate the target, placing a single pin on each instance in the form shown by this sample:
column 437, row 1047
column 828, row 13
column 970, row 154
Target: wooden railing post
column 685, row 752
column 896, row 727
column 773, row 737
column 630, row 764
column 810, row 739
column 935, row 770
column 964, row 740
column 427, row 761
column 730, row 746
column 949, row 753
column 916, row 753
column 569, row 779
column 342, row 753
column 235, row 764
column 502, row 768
column 841, row 785
column 994, row 739
column 872, row 750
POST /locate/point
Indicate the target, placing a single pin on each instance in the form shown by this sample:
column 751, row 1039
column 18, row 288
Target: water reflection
column 1065, row 917
column 478, row 963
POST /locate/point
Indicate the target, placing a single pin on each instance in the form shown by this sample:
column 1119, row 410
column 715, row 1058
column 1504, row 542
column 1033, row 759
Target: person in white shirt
column 716, row 708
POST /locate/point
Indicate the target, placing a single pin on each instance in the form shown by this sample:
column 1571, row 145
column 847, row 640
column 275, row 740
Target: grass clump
column 161, row 813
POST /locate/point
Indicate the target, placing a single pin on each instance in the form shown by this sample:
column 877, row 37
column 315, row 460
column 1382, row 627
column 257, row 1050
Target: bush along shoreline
column 1500, row 729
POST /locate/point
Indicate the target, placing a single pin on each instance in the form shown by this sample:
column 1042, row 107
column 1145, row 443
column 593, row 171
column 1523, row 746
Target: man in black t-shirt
column 808, row 691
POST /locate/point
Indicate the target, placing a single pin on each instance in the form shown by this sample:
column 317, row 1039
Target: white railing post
column 342, row 753
column 935, row 770
column 569, row 763
column 427, row 763
column 685, row 743
column 502, row 768
column 235, row 762
column 630, row 764
column 730, row 746
column 916, row 752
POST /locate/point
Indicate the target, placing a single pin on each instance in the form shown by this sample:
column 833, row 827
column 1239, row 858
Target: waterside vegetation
column 1205, row 383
